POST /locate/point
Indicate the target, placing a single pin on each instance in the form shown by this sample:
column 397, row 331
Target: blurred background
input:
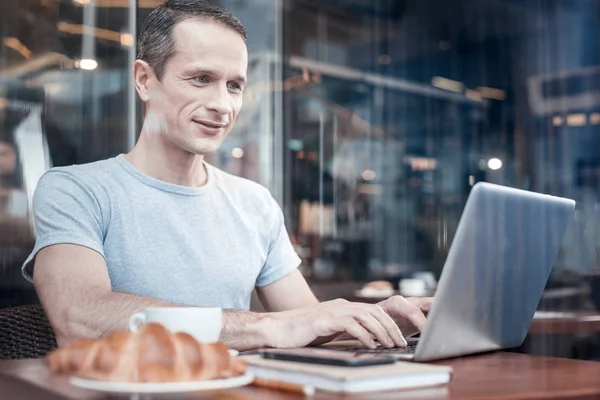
column 369, row 121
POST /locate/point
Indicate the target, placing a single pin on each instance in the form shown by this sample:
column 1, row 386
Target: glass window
column 65, row 98
column 369, row 121
column 395, row 109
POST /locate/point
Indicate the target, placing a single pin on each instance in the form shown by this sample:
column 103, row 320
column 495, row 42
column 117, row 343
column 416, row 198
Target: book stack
column 400, row 375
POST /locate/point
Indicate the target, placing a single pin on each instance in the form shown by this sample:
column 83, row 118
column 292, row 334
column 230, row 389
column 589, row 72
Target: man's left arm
column 288, row 293
column 281, row 286
column 292, row 292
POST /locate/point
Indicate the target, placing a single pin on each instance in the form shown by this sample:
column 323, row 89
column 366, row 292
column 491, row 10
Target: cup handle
column 136, row 320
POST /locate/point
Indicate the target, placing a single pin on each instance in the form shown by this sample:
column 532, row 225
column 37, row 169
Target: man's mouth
column 210, row 124
column 210, row 127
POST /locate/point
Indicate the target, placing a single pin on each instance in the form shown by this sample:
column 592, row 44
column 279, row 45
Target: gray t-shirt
column 207, row 246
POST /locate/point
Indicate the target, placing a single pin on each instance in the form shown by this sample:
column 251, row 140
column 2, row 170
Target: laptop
column 494, row 276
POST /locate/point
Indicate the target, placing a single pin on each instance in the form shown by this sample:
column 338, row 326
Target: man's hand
column 322, row 322
column 408, row 313
column 300, row 320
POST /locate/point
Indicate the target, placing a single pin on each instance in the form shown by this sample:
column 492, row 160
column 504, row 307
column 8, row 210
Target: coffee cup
column 203, row 323
column 412, row 287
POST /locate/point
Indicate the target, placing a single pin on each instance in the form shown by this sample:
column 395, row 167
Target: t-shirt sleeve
column 65, row 211
column 282, row 259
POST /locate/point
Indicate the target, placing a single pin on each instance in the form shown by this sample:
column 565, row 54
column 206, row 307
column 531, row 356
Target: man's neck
column 168, row 163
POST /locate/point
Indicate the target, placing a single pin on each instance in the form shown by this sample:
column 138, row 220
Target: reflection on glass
column 398, row 109
column 64, row 82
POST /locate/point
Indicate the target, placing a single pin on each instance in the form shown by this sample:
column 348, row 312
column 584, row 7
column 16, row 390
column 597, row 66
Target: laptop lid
column 497, row 268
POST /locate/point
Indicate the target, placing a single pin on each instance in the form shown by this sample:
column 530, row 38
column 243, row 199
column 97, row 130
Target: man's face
column 197, row 101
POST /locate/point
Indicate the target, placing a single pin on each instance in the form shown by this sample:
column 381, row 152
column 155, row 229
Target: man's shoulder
column 88, row 174
column 241, row 186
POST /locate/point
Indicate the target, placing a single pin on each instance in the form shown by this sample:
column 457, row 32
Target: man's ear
column 142, row 75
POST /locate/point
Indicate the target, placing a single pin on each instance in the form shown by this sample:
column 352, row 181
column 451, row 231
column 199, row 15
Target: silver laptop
column 497, row 268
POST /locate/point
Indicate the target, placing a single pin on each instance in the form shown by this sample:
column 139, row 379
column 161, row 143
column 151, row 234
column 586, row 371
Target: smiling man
column 160, row 226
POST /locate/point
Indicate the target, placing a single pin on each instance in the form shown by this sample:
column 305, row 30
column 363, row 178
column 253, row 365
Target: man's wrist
column 267, row 329
column 249, row 330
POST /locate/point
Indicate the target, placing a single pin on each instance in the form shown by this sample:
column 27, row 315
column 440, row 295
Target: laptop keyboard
column 409, row 349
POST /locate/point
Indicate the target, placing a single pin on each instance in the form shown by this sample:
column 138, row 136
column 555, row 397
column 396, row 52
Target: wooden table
column 566, row 323
column 490, row 376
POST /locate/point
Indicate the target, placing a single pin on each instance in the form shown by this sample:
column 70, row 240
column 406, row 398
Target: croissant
column 153, row 354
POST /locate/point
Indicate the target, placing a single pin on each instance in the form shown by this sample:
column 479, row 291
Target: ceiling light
column 447, row 84
column 369, row 175
column 473, row 95
column 576, row 119
column 491, row 93
column 494, row 164
column 557, row 121
column 126, row 39
column 88, row 64
column 237, row 153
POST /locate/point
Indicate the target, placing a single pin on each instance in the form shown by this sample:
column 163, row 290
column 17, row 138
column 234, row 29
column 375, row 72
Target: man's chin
column 202, row 150
column 201, row 147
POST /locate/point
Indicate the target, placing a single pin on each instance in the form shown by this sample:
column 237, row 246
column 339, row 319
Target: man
column 159, row 226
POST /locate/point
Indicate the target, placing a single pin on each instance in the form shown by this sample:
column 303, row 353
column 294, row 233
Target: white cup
column 203, row 323
column 412, row 287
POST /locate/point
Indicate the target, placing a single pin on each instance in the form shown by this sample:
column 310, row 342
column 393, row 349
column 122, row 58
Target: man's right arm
column 80, row 303
column 74, row 287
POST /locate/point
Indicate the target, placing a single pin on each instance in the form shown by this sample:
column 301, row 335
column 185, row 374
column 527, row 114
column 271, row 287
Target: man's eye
column 201, row 79
column 234, row 86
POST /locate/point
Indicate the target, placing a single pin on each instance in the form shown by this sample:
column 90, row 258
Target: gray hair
column 156, row 42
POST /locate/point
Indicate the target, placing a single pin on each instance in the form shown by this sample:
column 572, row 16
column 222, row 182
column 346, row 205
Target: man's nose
column 220, row 100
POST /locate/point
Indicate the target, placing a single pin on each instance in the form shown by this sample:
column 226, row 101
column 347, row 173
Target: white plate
column 170, row 387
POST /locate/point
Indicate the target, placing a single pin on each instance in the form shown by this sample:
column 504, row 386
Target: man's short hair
column 156, row 41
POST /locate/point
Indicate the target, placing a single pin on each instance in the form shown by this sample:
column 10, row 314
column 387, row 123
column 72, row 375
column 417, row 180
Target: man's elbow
column 73, row 322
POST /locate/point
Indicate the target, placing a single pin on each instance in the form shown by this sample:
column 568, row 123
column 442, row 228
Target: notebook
column 400, row 375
